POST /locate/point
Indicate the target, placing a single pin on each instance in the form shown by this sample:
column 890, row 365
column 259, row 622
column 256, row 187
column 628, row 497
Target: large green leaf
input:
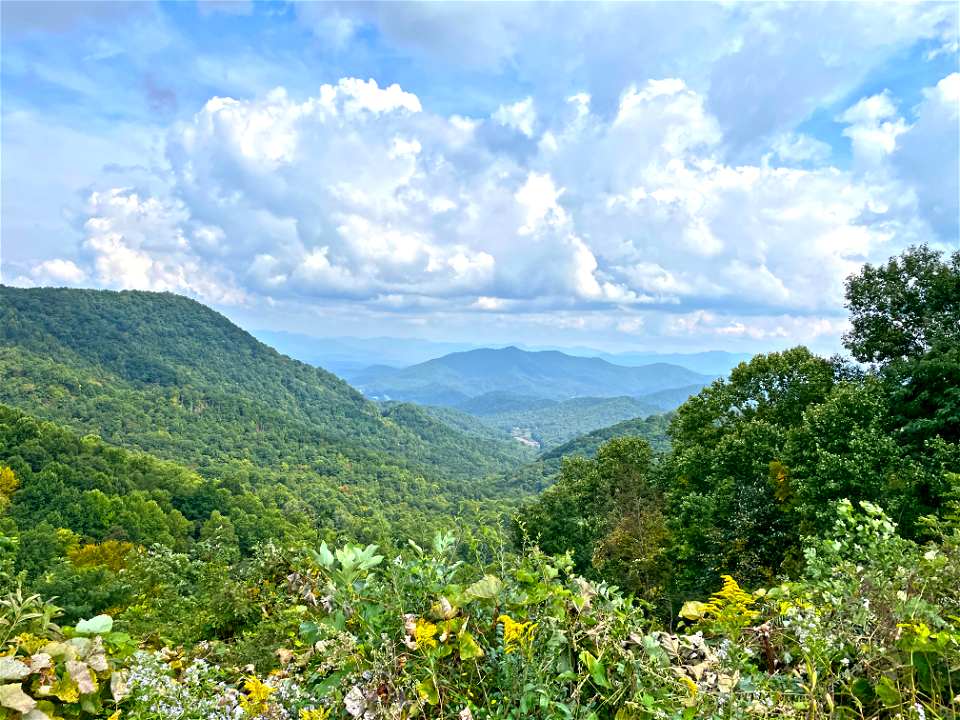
column 321, row 690
column 95, row 625
column 469, row 648
column 486, row 589
column 887, row 693
column 598, row 671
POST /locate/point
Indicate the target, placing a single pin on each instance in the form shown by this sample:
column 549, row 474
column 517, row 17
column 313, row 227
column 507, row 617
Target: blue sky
column 627, row 176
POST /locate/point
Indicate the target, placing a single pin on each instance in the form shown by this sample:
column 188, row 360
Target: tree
column 899, row 310
column 925, row 402
column 39, row 547
column 8, row 483
column 844, row 451
column 776, row 388
column 723, row 509
column 591, row 498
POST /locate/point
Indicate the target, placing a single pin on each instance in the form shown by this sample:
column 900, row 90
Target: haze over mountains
column 351, row 357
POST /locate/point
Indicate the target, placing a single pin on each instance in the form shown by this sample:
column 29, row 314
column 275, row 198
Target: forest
column 195, row 526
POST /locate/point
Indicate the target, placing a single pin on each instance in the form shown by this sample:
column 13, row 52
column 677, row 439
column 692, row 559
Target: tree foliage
column 898, row 311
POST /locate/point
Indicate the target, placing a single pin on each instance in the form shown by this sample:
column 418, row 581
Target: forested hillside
column 786, row 545
column 162, row 373
column 73, row 358
column 536, row 476
column 469, row 425
column 557, row 424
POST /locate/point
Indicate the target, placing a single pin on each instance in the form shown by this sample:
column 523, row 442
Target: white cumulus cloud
column 360, row 198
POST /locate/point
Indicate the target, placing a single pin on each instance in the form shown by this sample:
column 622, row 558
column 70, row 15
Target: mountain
column 466, row 424
column 666, row 400
column 713, row 362
column 551, row 423
column 163, row 374
column 366, row 374
column 348, row 357
column 455, row 378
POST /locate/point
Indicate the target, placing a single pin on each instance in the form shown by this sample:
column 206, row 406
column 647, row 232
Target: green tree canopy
column 899, row 310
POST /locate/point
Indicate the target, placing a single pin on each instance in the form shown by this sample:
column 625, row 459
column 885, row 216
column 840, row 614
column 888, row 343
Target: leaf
column 95, row 626
column 887, row 693
column 91, row 704
column 486, row 589
column 862, row 690
column 443, row 609
column 329, row 684
column 692, row 610
column 95, row 657
column 118, row 686
column 79, row 672
column 35, row 714
column 428, row 691
column 12, row 696
column 524, row 576
column 310, row 632
column 469, row 648
column 597, row 669
column 323, row 556
column 40, row 661
column 12, row 669
column 66, row 689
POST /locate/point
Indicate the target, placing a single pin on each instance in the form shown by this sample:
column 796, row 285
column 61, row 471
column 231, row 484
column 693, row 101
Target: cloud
column 53, row 272
column 927, row 158
column 798, row 147
column 874, row 124
column 755, row 63
column 359, row 202
column 143, row 243
column 520, row 116
column 25, row 16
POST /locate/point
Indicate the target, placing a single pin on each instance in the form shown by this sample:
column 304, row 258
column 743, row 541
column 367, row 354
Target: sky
column 659, row 176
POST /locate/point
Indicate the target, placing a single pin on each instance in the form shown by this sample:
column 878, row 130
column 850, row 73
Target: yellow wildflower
column 255, row 702
column 516, row 634
column 690, row 684
column 317, row 714
column 731, row 604
column 424, row 632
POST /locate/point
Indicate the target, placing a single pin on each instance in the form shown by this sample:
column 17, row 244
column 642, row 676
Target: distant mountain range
column 459, row 377
column 351, row 357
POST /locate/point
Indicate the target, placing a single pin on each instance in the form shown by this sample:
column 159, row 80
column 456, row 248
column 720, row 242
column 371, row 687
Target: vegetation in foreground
column 796, row 554
column 462, row 629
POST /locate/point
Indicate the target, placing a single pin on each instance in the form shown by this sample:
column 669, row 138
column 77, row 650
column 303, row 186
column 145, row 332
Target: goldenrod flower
column 316, row 714
column 690, row 684
column 424, row 632
column 516, row 634
column 730, row 602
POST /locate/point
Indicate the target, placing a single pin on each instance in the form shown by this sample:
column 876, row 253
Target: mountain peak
column 547, row 374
